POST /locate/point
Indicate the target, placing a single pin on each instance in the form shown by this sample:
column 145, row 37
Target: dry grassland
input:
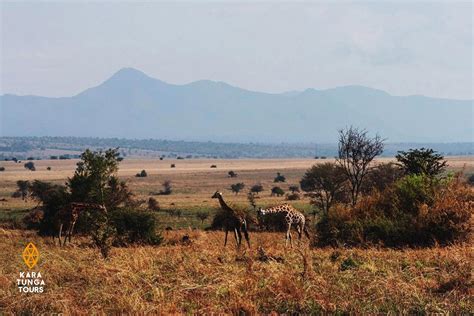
column 203, row 277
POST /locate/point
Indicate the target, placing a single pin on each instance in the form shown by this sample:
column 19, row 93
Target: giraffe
column 67, row 218
column 292, row 217
column 233, row 221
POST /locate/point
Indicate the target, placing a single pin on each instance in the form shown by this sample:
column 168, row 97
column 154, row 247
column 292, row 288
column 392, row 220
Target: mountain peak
column 128, row 73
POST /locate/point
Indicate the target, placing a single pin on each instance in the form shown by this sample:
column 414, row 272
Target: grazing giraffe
column 233, row 221
column 292, row 217
column 67, row 218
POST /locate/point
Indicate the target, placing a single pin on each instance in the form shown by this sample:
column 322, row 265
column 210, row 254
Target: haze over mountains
column 131, row 104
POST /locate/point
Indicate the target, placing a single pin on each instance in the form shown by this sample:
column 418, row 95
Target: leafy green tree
column 256, row 188
column 421, row 161
column 277, row 191
column 23, row 189
column 30, row 165
column 93, row 175
column 279, row 178
column 325, row 184
column 237, row 187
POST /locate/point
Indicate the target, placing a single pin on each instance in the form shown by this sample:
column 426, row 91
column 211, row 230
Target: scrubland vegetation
column 389, row 236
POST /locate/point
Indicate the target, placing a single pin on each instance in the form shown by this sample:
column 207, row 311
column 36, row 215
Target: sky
column 62, row 48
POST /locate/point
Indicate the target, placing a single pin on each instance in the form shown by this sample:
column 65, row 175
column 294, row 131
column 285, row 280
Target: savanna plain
column 197, row 274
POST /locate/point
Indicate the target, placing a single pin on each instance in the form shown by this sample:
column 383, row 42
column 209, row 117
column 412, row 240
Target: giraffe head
column 216, row 195
column 261, row 211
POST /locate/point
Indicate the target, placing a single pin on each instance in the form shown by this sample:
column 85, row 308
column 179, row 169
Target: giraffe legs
column 59, row 234
column 225, row 240
column 246, row 235
column 288, row 236
column 236, row 235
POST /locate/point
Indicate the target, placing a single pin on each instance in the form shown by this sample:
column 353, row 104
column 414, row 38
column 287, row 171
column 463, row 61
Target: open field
column 204, row 277
column 193, row 182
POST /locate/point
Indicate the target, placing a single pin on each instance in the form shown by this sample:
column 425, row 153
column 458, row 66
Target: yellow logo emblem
column 30, row 255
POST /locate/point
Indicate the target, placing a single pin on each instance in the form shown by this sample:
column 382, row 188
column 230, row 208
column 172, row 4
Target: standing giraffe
column 67, row 217
column 233, row 221
column 292, row 217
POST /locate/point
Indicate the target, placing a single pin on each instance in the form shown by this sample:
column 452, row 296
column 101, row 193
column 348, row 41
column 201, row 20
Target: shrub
column 30, row 166
column 293, row 196
column 470, row 179
column 173, row 165
column 153, row 204
column 237, row 187
column 256, row 188
column 232, row 174
column 167, row 188
column 279, row 178
column 134, row 226
column 213, row 166
column 277, row 191
column 202, row 216
column 294, row 188
column 2, row 168
column 48, row 168
column 381, row 177
column 416, row 211
column 142, row 174
column 33, row 219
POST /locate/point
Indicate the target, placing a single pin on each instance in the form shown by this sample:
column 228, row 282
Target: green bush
column 133, row 226
column 416, row 211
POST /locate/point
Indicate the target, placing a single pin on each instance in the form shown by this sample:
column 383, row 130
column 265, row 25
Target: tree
column 381, row 177
column 153, row 204
column 23, row 189
column 167, row 188
column 277, row 191
column 141, row 174
column 421, row 161
column 279, row 178
column 202, row 216
column 294, row 188
column 93, row 176
column 356, row 151
column 30, row 165
column 95, row 181
column 325, row 184
column 232, row 174
column 256, row 188
column 237, row 187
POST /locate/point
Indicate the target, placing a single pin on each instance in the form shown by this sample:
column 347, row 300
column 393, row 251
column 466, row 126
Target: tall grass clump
column 417, row 210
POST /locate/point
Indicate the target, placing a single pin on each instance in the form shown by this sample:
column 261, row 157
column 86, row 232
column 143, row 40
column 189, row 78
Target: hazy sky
column 61, row 48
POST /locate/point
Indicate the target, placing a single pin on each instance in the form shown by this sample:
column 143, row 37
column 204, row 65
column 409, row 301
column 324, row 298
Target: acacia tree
column 421, row 161
column 325, row 184
column 356, row 151
column 23, row 189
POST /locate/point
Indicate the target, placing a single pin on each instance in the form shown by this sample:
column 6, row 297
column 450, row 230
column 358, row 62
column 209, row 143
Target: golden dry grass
column 203, row 277
column 206, row 278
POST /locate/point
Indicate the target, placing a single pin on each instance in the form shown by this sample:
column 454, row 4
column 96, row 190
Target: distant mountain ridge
column 131, row 104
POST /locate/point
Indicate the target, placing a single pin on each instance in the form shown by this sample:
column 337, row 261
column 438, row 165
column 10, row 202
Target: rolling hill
column 131, row 104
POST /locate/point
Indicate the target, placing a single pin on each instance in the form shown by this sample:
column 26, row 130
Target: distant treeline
column 10, row 146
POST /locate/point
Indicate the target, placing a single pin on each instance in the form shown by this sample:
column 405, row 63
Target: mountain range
column 131, row 104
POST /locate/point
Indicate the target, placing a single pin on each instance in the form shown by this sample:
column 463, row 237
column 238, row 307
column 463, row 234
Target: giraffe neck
column 224, row 204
